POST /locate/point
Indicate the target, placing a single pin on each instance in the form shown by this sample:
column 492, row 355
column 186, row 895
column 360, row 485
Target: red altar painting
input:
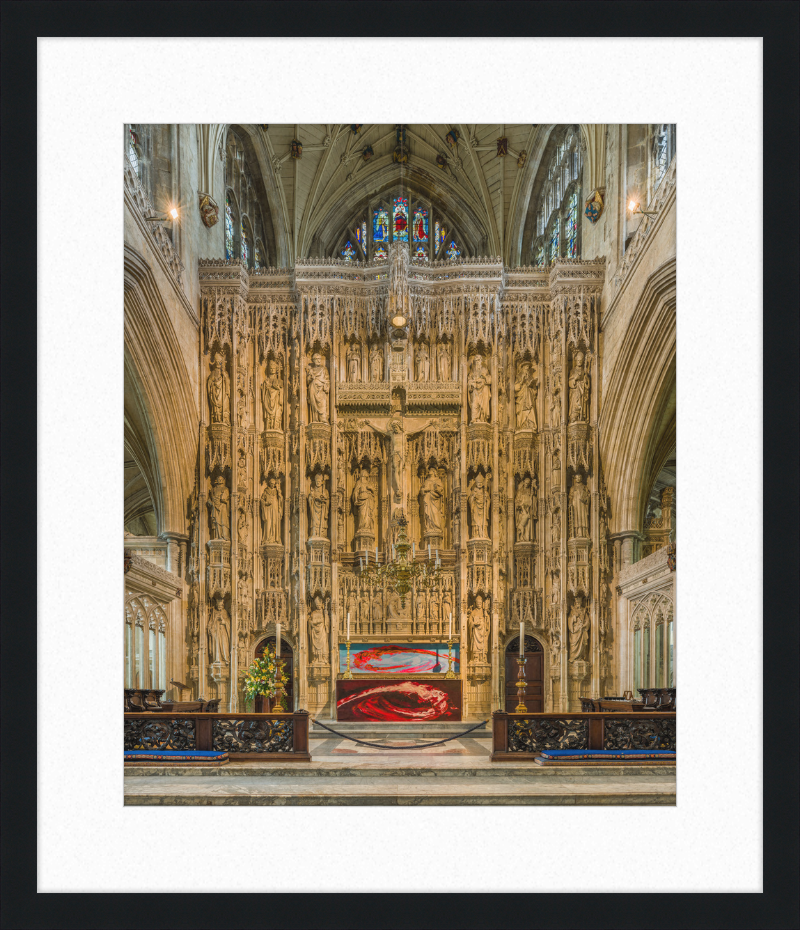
column 398, row 699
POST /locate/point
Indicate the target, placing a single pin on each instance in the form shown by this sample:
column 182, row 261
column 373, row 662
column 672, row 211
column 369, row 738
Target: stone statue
column 578, row 625
column 219, row 391
column 578, row 390
column 218, row 503
column 579, row 507
column 479, row 501
column 523, row 504
column 353, row 363
column 377, row 612
column 363, row 611
column 556, row 467
column 431, row 499
column 423, row 362
column 243, row 526
column 479, row 392
column 318, row 633
column 218, row 633
column 555, row 407
column 478, row 631
column 445, row 367
column 447, row 610
column 319, row 386
column 555, row 530
column 393, row 611
column 525, row 397
column 272, row 397
column 352, row 608
column 376, row 363
column 363, row 501
column 271, row 512
column 242, row 468
column 318, row 504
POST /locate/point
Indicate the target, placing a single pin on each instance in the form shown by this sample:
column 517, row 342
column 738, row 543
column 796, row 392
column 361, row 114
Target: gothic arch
column 161, row 417
column 640, row 405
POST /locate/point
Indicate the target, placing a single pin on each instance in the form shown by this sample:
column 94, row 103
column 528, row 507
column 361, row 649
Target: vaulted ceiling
column 311, row 198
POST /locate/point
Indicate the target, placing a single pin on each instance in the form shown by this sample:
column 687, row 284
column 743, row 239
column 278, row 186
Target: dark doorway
column 287, row 657
column 534, row 676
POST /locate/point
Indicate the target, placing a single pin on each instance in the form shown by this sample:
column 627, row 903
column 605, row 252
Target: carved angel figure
column 272, row 512
column 319, row 386
column 318, row 504
column 219, row 391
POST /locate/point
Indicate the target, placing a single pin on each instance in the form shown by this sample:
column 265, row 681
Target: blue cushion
column 608, row 753
column 174, row 755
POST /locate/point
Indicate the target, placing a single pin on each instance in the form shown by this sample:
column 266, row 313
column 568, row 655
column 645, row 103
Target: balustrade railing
column 516, row 737
column 245, row 737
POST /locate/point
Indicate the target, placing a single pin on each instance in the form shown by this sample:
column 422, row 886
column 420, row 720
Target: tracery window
column 380, row 225
column 361, row 237
column 400, row 220
column 453, row 251
column 245, row 246
column 348, row 252
column 557, row 204
column 258, row 255
column 420, row 225
column 133, row 154
column 228, row 228
column 652, row 663
column 244, row 235
column 663, row 151
column 145, row 643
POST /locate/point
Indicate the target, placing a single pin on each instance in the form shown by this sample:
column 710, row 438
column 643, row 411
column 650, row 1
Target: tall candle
column 450, row 636
column 348, row 626
column 412, row 550
column 429, row 550
column 366, row 553
column 277, row 646
column 521, row 638
column 376, row 555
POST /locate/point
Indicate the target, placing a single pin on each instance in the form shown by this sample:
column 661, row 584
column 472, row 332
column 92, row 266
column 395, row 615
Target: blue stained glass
column 421, row 253
column 400, row 231
column 571, row 230
column 453, row 251
column 420, row 225
column 553, row 250
column 539, row 255
column 348, row 252
column 228, row 229
column 380, row 226
column 257, row 255
column 361, row 237
column 133, row 155
column 381, row 253
column 245, row 246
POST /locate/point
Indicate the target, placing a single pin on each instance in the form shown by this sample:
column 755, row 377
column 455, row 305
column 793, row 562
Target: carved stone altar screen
column 324, row 422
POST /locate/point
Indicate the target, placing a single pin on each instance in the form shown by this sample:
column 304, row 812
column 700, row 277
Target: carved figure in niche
column 219, row 510
column 579, row 507
column 555, row 530
column 219, row 391
column 376, row 363
column 272, row 397
column 242, row 468
column 432, row 500
column 352, row 607
column 318, row 504
column 340, row 518
column 423, row 362
column 578, row 625
column 377, row 613
column 319, row 386
column 445, row 366
column 318, row 633
column 479, row 392
column 393, row 610
column 555, row 407
column 479, row 501
column 363, row 611
column 398, row 438
column 525, row 397
column 556, row 467
column 578, row 390
column 218, row 633
column 447, row 610
column 478, row 631
column 353, row 363
column 241, row 588
column 271, row 512
column 243, row 526
column 363, row 501
column 523, row 504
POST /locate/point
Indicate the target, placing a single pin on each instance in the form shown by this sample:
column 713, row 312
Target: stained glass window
column 361, row 236
column 539, row 254
column 133, row 155
column 553, row 247
column 348, row 252
column 663, row 149
column 228, row 228
column 571, row 227
column 381, row 253
column 245, row 246
column 420, row 225
column 380, row 225
column 421, row 253
column 453, row 251
column 257, row 259
column 400, row 230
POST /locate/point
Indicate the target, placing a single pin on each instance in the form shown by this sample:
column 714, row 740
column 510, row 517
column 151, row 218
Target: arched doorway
column 534, row 675
column 287, row 657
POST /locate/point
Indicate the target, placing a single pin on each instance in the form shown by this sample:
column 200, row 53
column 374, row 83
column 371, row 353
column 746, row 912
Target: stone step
column 264, row 790
column 400, row 730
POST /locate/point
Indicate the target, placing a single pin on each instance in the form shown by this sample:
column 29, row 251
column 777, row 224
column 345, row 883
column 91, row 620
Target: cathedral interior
column 359, row 352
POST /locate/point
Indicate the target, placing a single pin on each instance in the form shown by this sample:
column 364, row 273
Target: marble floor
column 343, row 773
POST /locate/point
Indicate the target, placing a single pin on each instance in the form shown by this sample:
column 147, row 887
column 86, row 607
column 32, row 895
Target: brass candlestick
column 450, row 672
column 348, row 673
column 521, row 684
column 278, row 707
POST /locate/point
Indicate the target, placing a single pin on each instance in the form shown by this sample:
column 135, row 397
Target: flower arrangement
column 260, row 676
